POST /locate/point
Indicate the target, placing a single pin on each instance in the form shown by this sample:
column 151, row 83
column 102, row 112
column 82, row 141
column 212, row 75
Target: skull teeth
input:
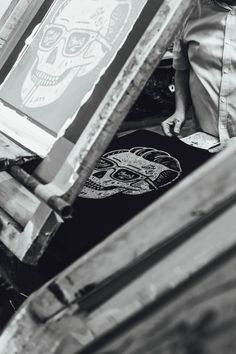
column 92, row 185
column 44, row 79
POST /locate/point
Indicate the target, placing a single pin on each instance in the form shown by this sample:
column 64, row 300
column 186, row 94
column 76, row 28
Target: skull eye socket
column 51, row 36
column 103, row 163
column 124, row 174
column 99, row 174
column 76, row 42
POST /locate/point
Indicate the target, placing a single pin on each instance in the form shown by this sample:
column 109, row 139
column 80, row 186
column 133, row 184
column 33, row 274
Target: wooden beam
column 204, row 246
column 13, row 24
column 199, row 316
column 16, row 200
column 154, row 280
column 9, row 150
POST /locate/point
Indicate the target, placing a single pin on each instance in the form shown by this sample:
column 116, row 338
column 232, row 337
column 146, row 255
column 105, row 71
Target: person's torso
column 211, row 40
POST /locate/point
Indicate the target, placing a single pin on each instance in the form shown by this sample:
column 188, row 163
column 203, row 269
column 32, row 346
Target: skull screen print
column 69, row 56
column 135, row 171
column 78, row 37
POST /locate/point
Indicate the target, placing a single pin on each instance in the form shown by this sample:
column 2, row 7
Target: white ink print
column 78, row 38
column 132, row 172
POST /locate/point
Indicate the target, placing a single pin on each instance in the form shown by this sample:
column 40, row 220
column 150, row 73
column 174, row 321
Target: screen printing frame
column 23, row 90
column 71, row 163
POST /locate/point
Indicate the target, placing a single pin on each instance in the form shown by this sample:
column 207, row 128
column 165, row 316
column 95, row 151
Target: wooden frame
column 14, row 23
column 28, row 239
column 128, row 272
column 46, row 108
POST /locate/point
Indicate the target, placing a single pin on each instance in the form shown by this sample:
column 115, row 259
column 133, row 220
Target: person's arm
column 173, row 124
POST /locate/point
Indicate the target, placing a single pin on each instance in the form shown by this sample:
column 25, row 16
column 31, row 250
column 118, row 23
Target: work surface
column 146, row 264
column 98, row 215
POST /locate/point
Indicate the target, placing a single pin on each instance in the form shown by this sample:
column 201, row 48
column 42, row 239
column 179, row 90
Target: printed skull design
column 79, row 36
column 135, row 171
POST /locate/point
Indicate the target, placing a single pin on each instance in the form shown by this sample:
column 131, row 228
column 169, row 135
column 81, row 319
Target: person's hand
column 172, row 125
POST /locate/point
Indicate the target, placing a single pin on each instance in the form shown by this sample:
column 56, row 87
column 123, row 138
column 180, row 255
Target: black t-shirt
column 135, row 170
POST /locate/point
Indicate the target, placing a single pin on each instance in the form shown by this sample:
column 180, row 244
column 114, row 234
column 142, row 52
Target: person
column 205, row 64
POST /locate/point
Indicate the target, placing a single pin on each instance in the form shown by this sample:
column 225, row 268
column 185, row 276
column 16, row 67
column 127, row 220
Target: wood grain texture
column 9, row 150
column 14, row 23
column 198, row 318
column 165, row 275
column 51, row 164
column 16, row 200
column 154, row 282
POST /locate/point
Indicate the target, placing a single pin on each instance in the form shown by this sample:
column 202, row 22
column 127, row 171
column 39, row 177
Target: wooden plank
column 31, row 242
column 20, row 204
column 13, row 24
column 7, row 4
column 199, row 316
column 193, row 255
column 40, row 223
column 19, row 128
column 35, row 217
column 199, row 194
column 208, row 327
column 152, row 283
column 16, row 200
column 9, row 150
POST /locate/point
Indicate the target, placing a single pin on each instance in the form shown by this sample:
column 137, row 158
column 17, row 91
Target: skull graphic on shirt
column 76, row 40
column 135, row 171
